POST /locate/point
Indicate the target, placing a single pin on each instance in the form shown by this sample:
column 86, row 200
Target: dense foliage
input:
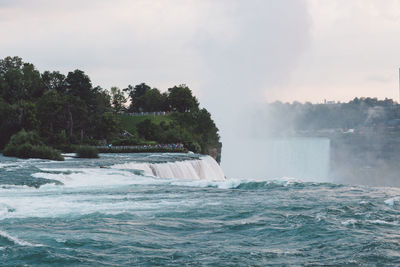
column 146, row 99
column 87, row 152
column 67, row 110
column 196, row 130
column 63, row 109
column 28, row 145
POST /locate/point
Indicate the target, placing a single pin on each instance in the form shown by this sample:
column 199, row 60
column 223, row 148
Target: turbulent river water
column 180, row 210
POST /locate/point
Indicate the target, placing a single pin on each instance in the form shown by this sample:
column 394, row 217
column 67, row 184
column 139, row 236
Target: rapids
column 179, row 209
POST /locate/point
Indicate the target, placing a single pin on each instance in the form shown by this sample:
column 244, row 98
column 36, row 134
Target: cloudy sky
column 262, row 50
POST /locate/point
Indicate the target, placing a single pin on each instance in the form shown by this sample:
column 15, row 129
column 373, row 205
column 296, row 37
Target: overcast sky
column 253, row 50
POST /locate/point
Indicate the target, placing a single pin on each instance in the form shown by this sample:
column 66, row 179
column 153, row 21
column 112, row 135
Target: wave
column 353, row 222
column 131, row 174
column 93, row 177
column 392, row 201
column 16, row 240
column 246, row 184
column 11, row 166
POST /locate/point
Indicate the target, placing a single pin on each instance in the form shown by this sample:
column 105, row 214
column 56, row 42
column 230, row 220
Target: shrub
column 46, row 152
column 28, row 145
column 87, row 152
column 148, row 130
column 193, row 146
column 131, row 141
column 23, row 137
column 65, row 148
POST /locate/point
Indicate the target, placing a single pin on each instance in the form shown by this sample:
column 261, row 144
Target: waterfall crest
column 205, row 168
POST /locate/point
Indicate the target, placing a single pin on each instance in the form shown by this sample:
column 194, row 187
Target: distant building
column 329, row 102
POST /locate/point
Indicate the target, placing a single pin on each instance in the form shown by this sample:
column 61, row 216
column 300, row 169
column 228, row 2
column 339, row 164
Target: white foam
column 60, row 201
column 349, row 222
column 205, row 168
column 199, row 173
column 10, row 166
column 71, row 155
column 2, row 165
column 87, row 190
column 16, row 240
column 76, row 196
column 320, row 217
column 226, row 184
column 95, row 177
column 381, row 222
column 392, row 201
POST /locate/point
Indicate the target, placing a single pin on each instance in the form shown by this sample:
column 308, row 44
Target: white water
column 86, row 190
column 303, row 158
column 16, row 240
column 76, row 197
column 392, row 201
column 205, row 168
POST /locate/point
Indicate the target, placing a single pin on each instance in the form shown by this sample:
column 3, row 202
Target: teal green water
column 74, row 213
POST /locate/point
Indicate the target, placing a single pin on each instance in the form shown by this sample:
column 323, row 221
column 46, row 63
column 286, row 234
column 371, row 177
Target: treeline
column 61, row 109
column 67, row 109
column 143, row 98
column 359, row 112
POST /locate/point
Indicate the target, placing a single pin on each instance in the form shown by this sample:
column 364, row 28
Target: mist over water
column 247, row 69
column 355, row 142
column 253, row 66
column 307, row 159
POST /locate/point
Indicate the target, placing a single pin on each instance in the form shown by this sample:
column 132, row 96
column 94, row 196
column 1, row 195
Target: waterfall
column 307, row 159
column 205, row 168
column 304, row 158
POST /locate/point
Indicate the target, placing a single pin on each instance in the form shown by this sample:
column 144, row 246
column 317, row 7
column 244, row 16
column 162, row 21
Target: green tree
column 117, row 99
column 54, row 81
column 107, row 126
column 28, row 116
column 49, row 111
column 152, row 100
column 18, row 80
column 103, row 101
column 148, row 130
column 8, row 122
column 181, row 99
column 206, row 127
column 32, row 81
column 79, row 85
column 136, row 96
column 165, row 102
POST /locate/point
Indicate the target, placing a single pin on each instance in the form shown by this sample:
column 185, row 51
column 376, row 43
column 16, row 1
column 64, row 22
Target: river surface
column 114, row 211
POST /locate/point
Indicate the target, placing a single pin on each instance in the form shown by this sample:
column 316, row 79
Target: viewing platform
column 160, row 148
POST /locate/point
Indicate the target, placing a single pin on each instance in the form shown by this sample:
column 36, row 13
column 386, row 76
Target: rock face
column 215, row 153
